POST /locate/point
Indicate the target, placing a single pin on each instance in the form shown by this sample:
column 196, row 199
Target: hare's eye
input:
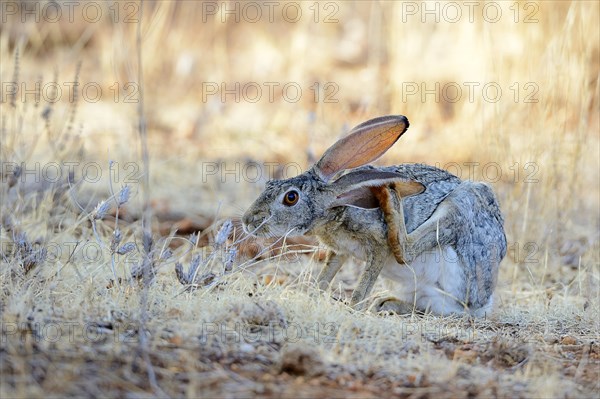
column 291, row 198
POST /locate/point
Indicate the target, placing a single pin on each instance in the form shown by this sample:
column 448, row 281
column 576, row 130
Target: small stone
column 176, row 340
column 550, row 339
column 246, row 348
column 299, row 360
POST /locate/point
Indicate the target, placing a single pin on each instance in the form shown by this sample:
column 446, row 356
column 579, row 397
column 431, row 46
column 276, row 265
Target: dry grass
column 78, row 316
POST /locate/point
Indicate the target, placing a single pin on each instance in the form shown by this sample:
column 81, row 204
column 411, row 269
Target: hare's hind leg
column 393, row 305
column 389, row 200
column 405, row 247
column 333, row 263
column 435, row 232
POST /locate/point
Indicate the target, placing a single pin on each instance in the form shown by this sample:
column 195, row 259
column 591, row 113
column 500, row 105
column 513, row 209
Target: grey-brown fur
column 449, row 213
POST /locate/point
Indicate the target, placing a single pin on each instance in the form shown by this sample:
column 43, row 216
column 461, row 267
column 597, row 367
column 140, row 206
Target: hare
column 440, row 237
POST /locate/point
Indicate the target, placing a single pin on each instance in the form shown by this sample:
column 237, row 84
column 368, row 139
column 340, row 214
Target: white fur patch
column 434, row 280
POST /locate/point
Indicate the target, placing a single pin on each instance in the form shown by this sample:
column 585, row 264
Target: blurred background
column 237, row 92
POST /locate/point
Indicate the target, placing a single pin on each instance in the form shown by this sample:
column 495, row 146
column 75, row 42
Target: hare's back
column 480, row 239
column 482, row 221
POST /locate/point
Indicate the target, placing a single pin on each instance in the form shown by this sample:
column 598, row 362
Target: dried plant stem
column 146, row 215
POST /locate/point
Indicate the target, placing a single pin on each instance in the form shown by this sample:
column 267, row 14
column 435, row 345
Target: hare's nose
column 249, row 218
column 246, row 219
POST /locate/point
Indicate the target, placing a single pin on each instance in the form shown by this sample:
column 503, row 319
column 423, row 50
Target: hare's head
column 294, row 206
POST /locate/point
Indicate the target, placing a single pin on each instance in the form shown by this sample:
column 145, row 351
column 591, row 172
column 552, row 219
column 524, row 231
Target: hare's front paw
column 392, row 305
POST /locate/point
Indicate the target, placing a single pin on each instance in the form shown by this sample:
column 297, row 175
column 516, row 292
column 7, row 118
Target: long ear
column 365, row 143
column 355, row 188
column 361, row 197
